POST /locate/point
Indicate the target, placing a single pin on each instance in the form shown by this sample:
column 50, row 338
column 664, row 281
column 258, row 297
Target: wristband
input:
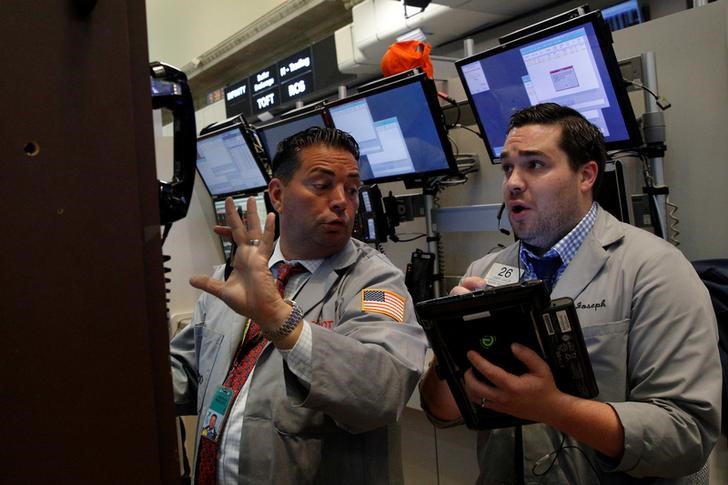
column 287, row 327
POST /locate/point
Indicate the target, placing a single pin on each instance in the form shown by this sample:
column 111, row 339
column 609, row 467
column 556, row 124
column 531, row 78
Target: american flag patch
column 383, row 301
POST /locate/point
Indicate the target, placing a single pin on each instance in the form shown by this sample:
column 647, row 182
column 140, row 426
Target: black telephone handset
column 171, row 91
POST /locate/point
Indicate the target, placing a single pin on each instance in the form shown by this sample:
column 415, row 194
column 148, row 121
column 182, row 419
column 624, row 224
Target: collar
column 566, row 248
column 311, row 265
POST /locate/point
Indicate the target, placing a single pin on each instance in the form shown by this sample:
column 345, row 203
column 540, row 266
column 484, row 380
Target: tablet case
column 489, row 321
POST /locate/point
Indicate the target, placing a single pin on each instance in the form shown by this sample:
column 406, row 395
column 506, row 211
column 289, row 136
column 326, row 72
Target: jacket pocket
column 301, row 422
column 607, row 346
column 207, row 348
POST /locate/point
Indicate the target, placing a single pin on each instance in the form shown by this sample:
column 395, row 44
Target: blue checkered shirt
column 566, row 248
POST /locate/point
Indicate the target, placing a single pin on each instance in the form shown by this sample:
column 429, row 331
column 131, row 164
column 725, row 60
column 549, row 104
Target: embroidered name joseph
column 591, row 306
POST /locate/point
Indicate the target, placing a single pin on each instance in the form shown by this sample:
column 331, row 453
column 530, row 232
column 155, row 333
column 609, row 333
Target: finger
column 269, row 234
column 497, row 375
column 476, row 388
column 205, row 283
column 533, row 361
column 473, row 283
column 252, row 219
column 459, row 290
column 232, row 218
column 238, row 232
column 223, row 231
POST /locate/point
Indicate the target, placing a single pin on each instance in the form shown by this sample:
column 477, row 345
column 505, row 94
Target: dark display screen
column 399, row 129
column 271, row 135
column 572, row 64
column 623, row 14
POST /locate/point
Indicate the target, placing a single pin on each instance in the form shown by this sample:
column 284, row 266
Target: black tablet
column 489, row 321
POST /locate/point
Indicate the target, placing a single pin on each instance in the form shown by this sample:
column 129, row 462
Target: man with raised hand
column 310, row 348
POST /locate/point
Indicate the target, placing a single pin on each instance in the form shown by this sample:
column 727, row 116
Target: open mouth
column 518, row 211
column 517, row 208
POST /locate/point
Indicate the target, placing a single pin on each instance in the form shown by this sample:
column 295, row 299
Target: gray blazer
column 364, row 367
column 651, row 334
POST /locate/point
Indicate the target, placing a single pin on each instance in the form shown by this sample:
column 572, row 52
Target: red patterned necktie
column 243, row 362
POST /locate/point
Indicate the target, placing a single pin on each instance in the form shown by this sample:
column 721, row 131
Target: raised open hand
column 249, row 290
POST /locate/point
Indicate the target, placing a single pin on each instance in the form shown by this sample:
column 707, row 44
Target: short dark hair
column 580, row 139
column 286, row 161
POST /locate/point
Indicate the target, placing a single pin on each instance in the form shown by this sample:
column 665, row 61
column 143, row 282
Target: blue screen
column 623, row 14
column 396, row 131
column 227, row 165
column 567, row 68
column 271, row 135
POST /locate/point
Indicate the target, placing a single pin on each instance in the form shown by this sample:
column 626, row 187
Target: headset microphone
column 503, row 230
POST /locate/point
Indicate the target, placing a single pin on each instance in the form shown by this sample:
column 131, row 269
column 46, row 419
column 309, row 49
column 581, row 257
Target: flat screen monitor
column 272, row 134
column 622, row 14
column 400, row 131
column 227, row 164
column 572, row 64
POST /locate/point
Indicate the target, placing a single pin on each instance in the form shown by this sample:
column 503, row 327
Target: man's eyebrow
column 325, row 171
column 522, row 153
column 331, row 173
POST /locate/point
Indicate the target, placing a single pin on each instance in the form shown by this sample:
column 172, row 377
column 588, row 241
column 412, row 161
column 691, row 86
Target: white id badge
column 502, row 274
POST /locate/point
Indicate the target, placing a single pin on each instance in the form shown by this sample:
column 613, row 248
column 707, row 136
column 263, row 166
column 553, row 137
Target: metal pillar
column 653, row 127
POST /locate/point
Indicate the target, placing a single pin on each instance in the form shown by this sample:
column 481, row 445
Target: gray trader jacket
column 364, row 369
column 651, row 334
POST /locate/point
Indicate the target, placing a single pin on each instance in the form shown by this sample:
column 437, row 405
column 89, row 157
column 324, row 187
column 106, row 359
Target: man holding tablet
column 646, row 318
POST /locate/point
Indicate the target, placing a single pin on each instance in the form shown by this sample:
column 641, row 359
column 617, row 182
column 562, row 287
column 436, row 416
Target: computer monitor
column 400, row 131
column 623, row 14
column 227, row 164
column 272, row 134
column 571, row 63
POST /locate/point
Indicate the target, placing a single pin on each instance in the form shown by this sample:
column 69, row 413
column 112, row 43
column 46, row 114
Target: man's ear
column 588, row 173
column 275, row 192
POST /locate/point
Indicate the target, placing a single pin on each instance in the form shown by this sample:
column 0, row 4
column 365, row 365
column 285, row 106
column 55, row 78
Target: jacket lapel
column 590, row 258
column 323, row 279
column 509, row 256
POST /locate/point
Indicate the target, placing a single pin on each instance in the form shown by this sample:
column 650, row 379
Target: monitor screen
column 572, row 64
column 227, row 165
column 399, row 129
column 272, row 134
column 623, row 14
